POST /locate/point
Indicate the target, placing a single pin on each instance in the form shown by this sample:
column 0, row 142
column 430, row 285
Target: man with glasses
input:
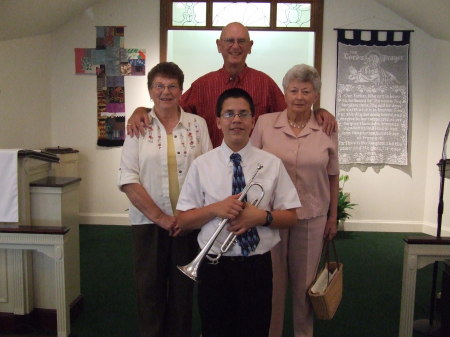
column 235, row 295
column 234, row 45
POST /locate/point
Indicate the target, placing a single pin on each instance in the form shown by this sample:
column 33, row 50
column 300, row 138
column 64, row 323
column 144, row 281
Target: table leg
column 62, row 312
column 408, row 294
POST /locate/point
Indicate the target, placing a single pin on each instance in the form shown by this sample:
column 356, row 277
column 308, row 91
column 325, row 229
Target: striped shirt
column 202, row 96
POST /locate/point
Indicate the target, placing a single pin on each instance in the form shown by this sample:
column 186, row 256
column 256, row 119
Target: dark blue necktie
column 249, row 240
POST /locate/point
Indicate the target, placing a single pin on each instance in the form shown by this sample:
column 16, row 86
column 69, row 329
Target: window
column 294, row 15
column 249, row 14
column 187, row 26
column 214, row 13
column 191, row 14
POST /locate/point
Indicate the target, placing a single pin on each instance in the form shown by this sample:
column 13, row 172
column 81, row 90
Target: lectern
column 39, row 249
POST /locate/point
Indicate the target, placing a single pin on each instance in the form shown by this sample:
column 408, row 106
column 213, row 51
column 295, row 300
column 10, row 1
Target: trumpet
column 191, row 269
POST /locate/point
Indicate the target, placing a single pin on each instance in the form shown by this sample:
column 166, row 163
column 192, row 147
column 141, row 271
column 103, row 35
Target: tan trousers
column 295, row 260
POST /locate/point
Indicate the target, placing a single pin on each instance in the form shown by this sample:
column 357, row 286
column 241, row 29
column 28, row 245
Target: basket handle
column 326, row 251
column 325, row 257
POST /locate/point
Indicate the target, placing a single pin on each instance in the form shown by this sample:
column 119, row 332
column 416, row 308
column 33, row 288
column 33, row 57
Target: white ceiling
column 22, row 18
column 432, row 16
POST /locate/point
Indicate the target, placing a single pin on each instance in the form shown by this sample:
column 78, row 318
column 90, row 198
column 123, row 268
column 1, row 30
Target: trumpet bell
column 190, row 270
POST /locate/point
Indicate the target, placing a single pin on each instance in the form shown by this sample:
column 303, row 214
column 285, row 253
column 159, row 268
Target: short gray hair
column 303, row 73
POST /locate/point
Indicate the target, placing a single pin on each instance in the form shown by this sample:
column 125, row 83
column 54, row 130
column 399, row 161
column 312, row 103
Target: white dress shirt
column 144, row 159
column 209, row 180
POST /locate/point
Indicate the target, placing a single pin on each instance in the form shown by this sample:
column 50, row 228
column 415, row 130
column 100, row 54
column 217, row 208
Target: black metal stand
column 431, row 327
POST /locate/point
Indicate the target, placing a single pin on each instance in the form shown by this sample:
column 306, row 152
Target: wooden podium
column 39, row 254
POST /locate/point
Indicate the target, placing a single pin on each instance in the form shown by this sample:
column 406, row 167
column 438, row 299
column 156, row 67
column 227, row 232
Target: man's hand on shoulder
column 138, row 122
column 326, row 120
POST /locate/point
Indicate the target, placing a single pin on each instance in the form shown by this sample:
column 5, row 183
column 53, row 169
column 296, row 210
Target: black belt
column 237, row 258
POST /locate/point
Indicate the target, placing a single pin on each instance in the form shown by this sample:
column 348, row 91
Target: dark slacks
column 164, row 294
column 235, row 296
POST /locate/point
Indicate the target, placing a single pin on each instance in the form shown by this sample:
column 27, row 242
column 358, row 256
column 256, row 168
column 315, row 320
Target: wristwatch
column 269, row 219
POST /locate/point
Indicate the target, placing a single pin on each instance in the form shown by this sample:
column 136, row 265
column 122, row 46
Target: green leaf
column 344, row 203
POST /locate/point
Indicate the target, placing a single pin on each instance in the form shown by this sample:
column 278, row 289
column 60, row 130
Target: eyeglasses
column 161, row 87
column 229, row 42
column 231, row 114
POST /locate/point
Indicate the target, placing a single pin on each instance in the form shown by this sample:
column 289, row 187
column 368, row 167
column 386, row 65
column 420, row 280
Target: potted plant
column 344, row 203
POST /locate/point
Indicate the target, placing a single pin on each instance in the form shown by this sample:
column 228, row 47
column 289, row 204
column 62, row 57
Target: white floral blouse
column 144, row 159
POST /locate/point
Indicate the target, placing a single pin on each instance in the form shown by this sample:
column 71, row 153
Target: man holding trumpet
column 235, row 292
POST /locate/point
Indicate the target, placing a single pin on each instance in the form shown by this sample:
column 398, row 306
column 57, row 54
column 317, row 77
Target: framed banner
column 372, row 96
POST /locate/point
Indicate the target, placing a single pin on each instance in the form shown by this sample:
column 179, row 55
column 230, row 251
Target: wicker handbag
column 326, row 291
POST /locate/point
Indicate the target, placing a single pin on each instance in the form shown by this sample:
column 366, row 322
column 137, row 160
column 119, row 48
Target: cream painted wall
column 391, row 198
column 439, row 110
column 74, row 106
column 25, row 93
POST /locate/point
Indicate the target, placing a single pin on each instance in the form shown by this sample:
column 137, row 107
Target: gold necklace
column 295, row 125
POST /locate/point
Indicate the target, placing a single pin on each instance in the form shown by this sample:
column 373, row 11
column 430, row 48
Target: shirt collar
column 226, row 151
column 227, row 78
column 282, row 122
column 183, row 118
column 312, row 123
column 183, row 121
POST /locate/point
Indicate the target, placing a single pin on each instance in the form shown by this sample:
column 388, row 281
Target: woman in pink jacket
column 311, row 159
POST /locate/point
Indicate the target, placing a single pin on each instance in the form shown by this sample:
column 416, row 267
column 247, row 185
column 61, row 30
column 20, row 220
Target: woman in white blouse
column 152, row 170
